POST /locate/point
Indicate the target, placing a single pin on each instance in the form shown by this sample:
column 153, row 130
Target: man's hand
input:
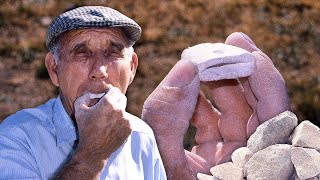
column 102, row 127
column 243, row 104
column 102, row 130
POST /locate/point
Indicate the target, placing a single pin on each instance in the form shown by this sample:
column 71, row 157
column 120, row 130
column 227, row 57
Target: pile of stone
column 280, row 149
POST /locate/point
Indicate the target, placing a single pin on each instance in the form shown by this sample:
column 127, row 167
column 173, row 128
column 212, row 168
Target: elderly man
column 85, row 133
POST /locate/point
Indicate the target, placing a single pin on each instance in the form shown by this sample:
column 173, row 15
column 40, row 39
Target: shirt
column 35, row 144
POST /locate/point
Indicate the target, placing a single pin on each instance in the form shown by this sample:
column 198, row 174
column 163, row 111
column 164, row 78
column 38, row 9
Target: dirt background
column 288, row 31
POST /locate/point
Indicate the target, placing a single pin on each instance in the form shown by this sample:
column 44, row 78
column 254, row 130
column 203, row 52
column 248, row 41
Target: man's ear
column 134, row 65
column 51, row 66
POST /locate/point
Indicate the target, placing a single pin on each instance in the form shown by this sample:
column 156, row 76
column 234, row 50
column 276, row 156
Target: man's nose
column 99, row 69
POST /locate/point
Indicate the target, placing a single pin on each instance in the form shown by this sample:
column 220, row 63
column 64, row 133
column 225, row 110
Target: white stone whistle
column 96, row 96
column 216, row 61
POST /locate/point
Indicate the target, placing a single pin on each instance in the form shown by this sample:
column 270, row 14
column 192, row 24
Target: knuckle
column 118, row 113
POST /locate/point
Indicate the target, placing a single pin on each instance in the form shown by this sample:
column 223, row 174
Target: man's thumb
column 178, row 90
column 181, row 75
column 82, row 101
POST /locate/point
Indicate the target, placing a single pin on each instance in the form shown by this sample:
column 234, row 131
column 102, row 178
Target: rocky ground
column 280, row 149
column 288, row 31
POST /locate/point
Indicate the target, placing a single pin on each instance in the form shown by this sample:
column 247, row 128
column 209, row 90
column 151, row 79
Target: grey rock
column 306, row 162
column 295, row 177
column 273, row 162
column 306, row 135
column 313, row 178
column 227, row 171
column 241, row 156
column 201, row 176
column 274, row 131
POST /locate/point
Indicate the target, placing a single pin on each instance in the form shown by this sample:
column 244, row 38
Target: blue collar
column 63, row 124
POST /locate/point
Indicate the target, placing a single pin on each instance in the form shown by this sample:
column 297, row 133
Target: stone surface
column 274, row 131
column 279, row 161
column 313, row 178
column 273, row 162
column 216, row 61
column 306, row 162
column 201, row 176
column 227, row 171
column 295, row 177
column 302, row 133
column 240, row 156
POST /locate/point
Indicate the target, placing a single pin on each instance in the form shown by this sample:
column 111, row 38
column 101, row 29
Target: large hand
column 218, row 133
column 102, row 127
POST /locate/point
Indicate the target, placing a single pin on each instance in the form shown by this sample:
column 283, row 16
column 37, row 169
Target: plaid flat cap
column 92, row 17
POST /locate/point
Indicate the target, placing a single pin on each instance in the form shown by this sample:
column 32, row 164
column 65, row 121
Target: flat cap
column 92, row 17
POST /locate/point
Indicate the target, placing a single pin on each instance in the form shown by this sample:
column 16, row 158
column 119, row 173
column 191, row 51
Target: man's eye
column 84, row 53
column 113, row 52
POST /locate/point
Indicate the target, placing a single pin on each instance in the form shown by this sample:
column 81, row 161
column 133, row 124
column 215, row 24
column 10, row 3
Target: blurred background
column 286, row 30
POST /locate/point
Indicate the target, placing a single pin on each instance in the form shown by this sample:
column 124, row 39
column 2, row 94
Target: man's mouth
column 95, row 98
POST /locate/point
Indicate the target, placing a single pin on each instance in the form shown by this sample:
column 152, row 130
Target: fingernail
column 181, row 74
column 248, row 39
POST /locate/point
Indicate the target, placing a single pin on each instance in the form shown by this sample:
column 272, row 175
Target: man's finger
column 197, row 163
column 269, row 88
column 118, row 99
column 122, row 102
column 81, row 105
column 241, row 40
column 265, row 84
column 205, row 120
column 228, row 95
column 113, row 98
column 253, row 121
column 113, row 95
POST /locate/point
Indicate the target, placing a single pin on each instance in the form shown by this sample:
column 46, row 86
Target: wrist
column 81, row 167
column 89, row 160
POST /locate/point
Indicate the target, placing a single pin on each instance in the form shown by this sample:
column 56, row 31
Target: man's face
column 93, row 60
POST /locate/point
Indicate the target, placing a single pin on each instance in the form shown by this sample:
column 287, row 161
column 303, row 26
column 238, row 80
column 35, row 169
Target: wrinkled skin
column 243, row 104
